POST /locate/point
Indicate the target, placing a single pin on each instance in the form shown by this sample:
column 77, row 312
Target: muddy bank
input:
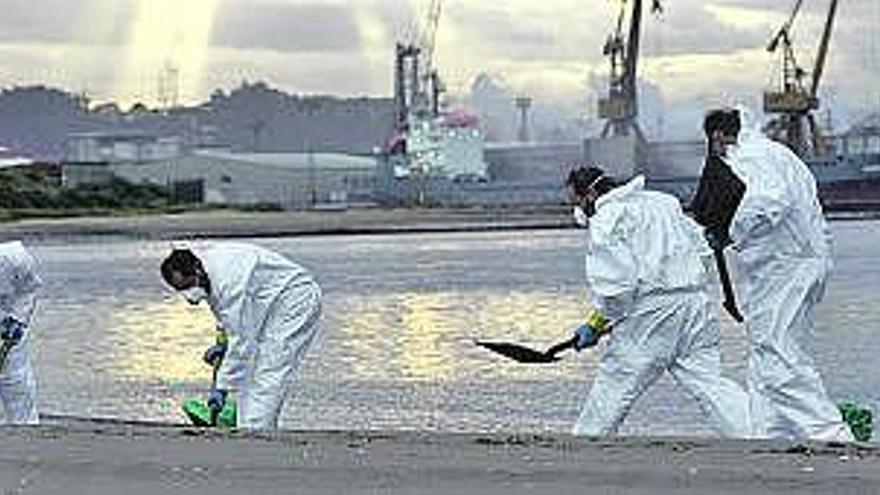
column 105, row 458
column 231, row 224
column 282, row 224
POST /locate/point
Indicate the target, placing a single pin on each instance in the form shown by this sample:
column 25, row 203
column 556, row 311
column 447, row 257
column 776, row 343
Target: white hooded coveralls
column 646, row 273
column 19, row 285
column 269, row 307
column 783, row 249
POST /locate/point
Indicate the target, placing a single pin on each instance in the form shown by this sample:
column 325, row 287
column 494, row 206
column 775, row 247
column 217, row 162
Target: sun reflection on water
column 162, row 341
column 430, row 336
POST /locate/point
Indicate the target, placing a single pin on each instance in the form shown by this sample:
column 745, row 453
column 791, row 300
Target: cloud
column 698, row 52
column 83, row 22
column 285, row 28
column 527, row 32
column 703, row 28
column 311, row 73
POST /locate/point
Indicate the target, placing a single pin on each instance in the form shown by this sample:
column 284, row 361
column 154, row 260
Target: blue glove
column 11, row 330
column 587, row 336
column 214, row 354
column 216, row 400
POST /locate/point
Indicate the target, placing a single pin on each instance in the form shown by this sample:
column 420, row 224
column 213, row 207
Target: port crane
column 794, row 103
column 620, row 107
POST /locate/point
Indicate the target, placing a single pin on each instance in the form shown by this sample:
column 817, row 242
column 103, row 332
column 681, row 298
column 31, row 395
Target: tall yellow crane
column 794, row 102
column 620, row 107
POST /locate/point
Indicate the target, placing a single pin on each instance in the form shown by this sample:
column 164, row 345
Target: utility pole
column 313, row 193
column 523, row 104
column 169, row 87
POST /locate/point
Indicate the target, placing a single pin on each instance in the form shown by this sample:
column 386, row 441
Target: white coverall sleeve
column 26, row 284
column 612, row 274
column 234, row 315
column 759, row 212
column 761, row 164
column 234, row 363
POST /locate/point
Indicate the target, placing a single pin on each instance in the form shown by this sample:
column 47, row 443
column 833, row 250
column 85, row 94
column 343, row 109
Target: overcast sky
column 698, row 53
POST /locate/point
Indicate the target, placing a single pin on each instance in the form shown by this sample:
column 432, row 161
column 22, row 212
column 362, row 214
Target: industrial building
column 90, row 157
column 528, row 161
column 218, row 176
column 534, row 173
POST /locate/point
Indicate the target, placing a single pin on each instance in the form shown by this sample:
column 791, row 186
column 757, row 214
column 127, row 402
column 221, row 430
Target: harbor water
column 396, row 350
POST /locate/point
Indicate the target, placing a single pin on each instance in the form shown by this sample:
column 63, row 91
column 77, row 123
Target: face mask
column 722, row 145
column 580, row 217
column 194, row 294
column 730, row 149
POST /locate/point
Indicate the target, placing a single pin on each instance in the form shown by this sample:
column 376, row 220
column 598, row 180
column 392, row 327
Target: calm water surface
column 401, row 313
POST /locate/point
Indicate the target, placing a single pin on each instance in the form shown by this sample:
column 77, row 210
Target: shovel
column 4, row 352
column 523, row 354
column 726, row 286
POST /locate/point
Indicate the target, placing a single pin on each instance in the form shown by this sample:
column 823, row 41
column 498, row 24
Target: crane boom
column 782, row 34
column 632, row 48
column 430, row 35
column 823, row 49
column 430, row 85
column 634, row 42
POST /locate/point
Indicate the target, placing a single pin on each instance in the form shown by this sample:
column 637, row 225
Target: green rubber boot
column 199, row 414
column 859, row 418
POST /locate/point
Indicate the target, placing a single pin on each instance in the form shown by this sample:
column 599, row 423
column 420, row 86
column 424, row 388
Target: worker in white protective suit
column 269, row 308
column 783, row 249
column 19, row 287
column 646, row 274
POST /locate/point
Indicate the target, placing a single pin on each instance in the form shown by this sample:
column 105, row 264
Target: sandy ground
column 98, row 459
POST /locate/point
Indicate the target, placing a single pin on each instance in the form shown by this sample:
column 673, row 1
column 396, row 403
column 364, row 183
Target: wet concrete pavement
column 102, row 459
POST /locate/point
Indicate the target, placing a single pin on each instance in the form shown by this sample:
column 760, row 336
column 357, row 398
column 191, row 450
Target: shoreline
column 232, row 224
column 103, row 458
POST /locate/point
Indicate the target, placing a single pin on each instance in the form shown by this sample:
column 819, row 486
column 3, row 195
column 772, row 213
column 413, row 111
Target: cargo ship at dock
column 437, row 157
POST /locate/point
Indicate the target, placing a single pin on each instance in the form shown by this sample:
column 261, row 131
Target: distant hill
column 36, row 120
